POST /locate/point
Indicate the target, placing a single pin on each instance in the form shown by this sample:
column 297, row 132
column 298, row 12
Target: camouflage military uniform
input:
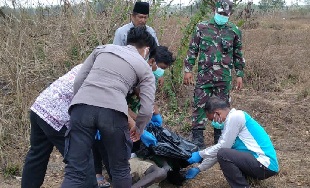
column 133, row 102
column 219, row 48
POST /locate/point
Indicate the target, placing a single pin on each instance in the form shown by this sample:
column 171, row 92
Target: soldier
column 218, row 43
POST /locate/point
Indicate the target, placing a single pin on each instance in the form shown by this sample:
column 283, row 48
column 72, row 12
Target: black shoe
column 198, row 138
column 217, row 135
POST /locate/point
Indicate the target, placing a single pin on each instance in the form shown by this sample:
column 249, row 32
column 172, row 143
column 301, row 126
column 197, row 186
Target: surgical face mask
column 159, row 72
column 216, row 124
column 220, row 19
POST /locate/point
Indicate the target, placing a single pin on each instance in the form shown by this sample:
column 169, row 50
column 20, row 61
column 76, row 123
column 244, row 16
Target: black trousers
column 100, row 156
column 42, row 140
column 236, row 166
column 113, row 127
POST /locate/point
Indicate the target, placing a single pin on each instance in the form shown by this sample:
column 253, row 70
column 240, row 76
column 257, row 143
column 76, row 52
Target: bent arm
column 227, row 139
column 147, row 97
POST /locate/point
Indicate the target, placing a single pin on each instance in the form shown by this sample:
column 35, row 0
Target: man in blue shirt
column 139, row 17
column 244, row 148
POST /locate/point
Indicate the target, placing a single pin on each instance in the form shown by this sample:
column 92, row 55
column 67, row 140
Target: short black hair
column 140, row 37
column 163, row 55
column 215, row 103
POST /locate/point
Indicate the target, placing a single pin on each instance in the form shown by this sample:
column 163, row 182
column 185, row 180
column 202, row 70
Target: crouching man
column 244, row 148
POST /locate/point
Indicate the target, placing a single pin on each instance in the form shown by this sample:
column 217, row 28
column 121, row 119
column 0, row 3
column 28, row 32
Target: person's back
column 111, row 77
column 53, row 103
column 254, row 139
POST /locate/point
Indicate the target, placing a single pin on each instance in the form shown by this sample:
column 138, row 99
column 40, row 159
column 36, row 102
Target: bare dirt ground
column 276, row 93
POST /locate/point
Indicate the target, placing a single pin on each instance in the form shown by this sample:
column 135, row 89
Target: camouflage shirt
column 219, row 49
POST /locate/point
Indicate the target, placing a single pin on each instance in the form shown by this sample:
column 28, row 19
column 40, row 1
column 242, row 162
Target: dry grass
column 36, row 51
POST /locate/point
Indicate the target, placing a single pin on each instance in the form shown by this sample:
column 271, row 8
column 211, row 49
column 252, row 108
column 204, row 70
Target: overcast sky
column 57, row 2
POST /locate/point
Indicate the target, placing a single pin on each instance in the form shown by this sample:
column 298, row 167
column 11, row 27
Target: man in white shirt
column 243, row 150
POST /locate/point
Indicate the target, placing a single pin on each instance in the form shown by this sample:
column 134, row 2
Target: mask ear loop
column 219, row 120
column 155, row 65
column 146, row 51
column 214, row 119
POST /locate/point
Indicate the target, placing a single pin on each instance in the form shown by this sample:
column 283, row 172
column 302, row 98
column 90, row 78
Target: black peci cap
column 141, row 8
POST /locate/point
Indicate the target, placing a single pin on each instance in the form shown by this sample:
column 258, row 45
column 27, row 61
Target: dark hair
column 215, row 103
column 163, row 55
column 140, row 37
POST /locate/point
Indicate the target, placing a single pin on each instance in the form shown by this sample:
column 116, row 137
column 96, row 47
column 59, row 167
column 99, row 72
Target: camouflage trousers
column 202, row 93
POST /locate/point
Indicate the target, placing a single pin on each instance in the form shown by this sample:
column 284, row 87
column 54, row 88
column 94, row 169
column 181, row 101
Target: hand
column 188, row 78
column 148, row 139
column 135, row 133
column 161, row 81
column 156, row 120
column 239, row 83
column 195, row 158
column 192, row 173
column 155, row 109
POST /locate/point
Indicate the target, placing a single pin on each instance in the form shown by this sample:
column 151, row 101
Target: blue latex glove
column 156, row 120
column 148, row 139
column 98, row 136
column 195, row 158
column 192, row 173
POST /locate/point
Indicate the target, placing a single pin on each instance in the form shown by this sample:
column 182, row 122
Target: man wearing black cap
column 139, row 17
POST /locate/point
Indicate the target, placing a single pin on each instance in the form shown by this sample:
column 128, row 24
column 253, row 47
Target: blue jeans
column 113, row 126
